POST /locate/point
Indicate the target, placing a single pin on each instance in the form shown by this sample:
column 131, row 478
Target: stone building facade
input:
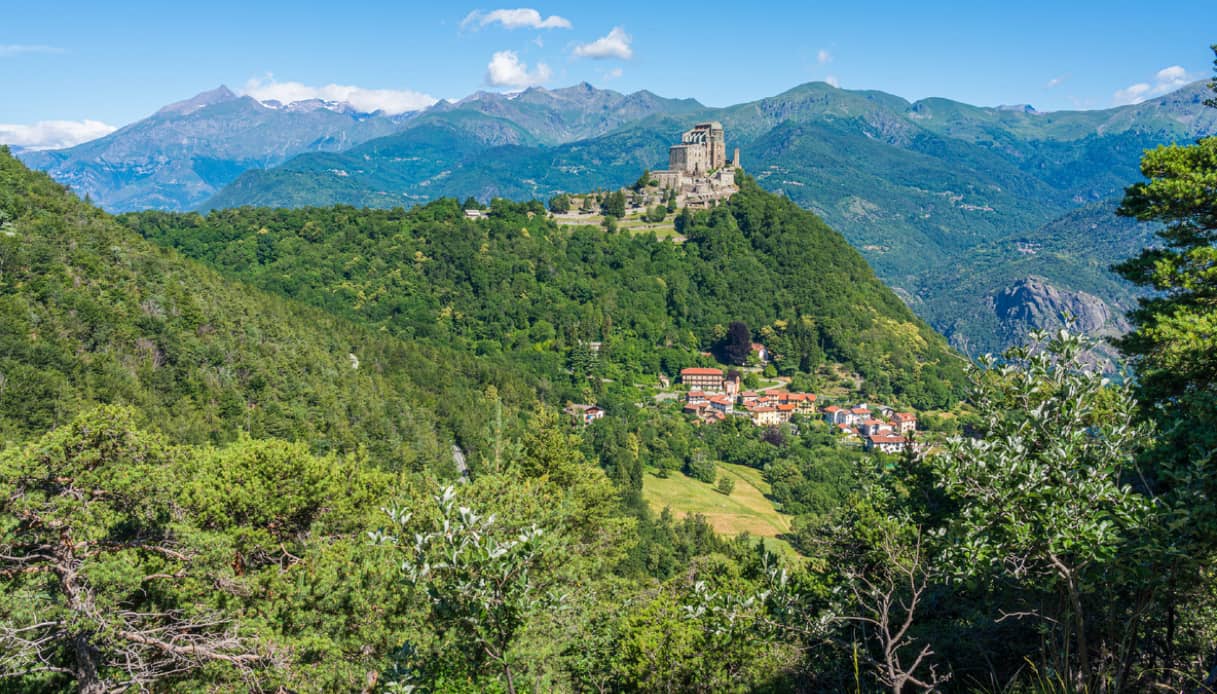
column 701, row 149
column 698, row 169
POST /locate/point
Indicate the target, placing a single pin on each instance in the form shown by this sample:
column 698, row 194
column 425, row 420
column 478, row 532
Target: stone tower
column 700, row 150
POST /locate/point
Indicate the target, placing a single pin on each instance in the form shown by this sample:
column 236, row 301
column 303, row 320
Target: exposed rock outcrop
column 1033, row 304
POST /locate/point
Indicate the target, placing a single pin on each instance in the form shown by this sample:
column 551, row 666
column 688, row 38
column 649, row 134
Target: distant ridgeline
column 516, row 286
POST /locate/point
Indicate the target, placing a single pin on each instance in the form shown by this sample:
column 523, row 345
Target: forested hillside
column 92, row 314
column 521, row 284
column 221, row 524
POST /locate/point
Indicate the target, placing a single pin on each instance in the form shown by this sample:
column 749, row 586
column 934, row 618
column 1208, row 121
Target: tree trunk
column 1083, row 679
column 511, row 684
column 88, row 679
column 80, row 601
column 1079, row 621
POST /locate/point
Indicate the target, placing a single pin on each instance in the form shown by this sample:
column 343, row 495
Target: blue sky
column 95, row 65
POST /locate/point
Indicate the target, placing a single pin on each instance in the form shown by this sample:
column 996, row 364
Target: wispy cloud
column 391, row 101
column 519, row 18
column 507, row 70
column 1056, row 81
column 1168, row 79
column 613, row 74
column 823, row 57
column 616, row 44
column 11, row 49
column 53, row 134
column 833, row 81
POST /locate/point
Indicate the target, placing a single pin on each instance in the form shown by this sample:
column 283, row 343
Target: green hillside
column 520, row 284
column 90, row 313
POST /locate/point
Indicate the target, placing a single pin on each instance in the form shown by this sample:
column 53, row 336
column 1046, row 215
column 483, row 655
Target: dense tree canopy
column 340, row 465
column 519, row 288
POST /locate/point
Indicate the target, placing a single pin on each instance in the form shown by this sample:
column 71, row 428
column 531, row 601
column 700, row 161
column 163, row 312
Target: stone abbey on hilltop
column 697, row 167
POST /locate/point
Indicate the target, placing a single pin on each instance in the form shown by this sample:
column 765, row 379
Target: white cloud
column 1056, row 81
column 1168, row 79
column 53, row 134
column 391, row 101
column 614, row 73
column 833, row 81
column 615, row 45
column 823, row 57
column 1132, row 94
column 507, row 70
column 519, row 18
column 11, row 49
column 1174, row 74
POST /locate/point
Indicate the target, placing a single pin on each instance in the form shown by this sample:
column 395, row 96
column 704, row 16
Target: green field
column 747, row 509
column 632, row 224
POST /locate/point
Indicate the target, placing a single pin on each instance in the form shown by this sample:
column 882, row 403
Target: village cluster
column 713, row 396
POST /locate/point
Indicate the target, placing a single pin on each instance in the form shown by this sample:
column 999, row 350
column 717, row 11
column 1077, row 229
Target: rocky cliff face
column 1033, row 304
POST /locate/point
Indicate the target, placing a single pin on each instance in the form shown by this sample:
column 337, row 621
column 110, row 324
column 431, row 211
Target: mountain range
column 181, row 155
column 987, row 221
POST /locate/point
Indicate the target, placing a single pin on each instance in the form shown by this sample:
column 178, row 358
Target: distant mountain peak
column 202, row 100
column 310, row 105
column 479, row 95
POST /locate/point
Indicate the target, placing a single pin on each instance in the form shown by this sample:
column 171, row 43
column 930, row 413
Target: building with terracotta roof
column 885, row 443
column 905, row 422
column 786, row 410
column 762, row 354
column 837, row 415
column 874, row 426
column 765, row 416
column 583, row 414
column 704, row 378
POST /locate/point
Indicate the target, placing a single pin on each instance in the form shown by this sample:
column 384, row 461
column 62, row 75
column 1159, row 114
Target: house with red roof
column 836, row 415
column 885, row 443
column 583, row 414
column 762, row 354
column 904, row 422
column 765, row 416
column 702, row 378
column 874, row 426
